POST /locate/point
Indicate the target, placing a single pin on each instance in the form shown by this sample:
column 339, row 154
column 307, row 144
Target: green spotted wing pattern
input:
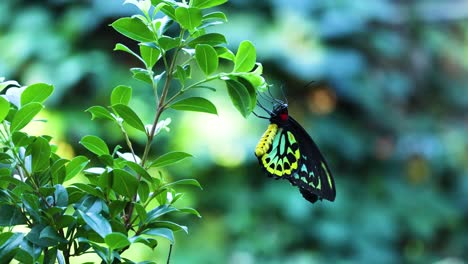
column 282, row 159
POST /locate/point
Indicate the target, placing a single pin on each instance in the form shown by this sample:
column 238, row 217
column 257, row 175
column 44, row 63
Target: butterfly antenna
column 264, row 108
column 264, row 97
column 273, row 100
column 259, row 116
column 284, row 96
column 310, row 83
column 271, row 95
column 276, row 101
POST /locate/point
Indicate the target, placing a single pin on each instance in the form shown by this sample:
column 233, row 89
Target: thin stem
column 20, row 166
column 161, row 107
column 211, row 78
column 129, row 143
column 166, row 65
column 169, row 255
column 208, row 79
column 150, row 135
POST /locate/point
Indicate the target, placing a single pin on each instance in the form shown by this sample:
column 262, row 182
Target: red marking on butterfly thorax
column 283, row 117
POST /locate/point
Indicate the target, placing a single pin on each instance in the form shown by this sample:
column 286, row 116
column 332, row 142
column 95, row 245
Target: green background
column 388, row 108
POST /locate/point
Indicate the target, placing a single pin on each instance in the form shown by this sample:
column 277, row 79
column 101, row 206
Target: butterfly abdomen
column 267, row 139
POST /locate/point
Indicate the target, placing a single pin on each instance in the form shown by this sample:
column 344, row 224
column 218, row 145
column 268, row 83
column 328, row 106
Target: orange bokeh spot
column 322, row 100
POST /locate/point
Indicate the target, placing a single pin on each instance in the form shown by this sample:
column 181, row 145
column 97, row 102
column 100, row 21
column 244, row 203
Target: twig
column 169, row 255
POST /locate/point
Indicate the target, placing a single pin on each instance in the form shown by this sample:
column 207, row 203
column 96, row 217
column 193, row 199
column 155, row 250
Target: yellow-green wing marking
column 282, row 155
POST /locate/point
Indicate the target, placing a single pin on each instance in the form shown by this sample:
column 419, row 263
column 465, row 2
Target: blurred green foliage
column 388, row 109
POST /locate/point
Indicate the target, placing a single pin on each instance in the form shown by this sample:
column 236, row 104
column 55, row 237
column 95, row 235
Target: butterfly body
column 287, row 151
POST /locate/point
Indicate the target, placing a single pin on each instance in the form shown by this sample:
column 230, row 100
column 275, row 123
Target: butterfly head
column 280, row 114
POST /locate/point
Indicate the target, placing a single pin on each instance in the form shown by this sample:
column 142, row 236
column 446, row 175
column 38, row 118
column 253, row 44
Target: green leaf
column 144, row 6
column 58, row 171
column 121, row 95
column 169, row 158
column 161, row 25
column 87, row 188
column 24, row 115
column 116, row 240
column 100, row 112
column 166, row 43
column 75, row 166
column 162, row 232
column 31, row 204
column 197, row 104
column 225, row 53
column 158, row 212
column 207, row 58
column 212, row 39
column 130, row 117
column 46, row 190
column 141, row 75
column 5, row 171
column 11, row 216
column 38, row 92
column 150, row 55
column 51, row 255
column 218, row 16
column 40, row 154
column 4, row 108
column 182, row 73
column 124, row 48
column 171, row 225
column 60, row 196
column 139, row 170
column 65, row 221
column 5, row 158
column 95, row 144
column 149, row 242
column 51, row 236
column 188, row 18
column 21, row 139
column 124, row 183
column 34, row 237
column 6, row 180
column 24, row 255
column 10, row 245
column 116, row 207
column 143, row 191
column 189, row 51
column 96, row 222
column 254, row 79
column 202, row 4
column 105, row 180
column 169, row 11
column 141, row 212
column 245, row 57
column 192, row 182
column 104, row 253
column 243, row 97
column 133, row 28
column 190, row 211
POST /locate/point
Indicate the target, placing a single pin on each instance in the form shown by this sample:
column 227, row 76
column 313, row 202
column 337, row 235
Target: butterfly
column 286, row 151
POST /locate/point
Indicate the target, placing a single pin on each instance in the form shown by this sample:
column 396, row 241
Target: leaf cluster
column 125, row 199
column 193, row 47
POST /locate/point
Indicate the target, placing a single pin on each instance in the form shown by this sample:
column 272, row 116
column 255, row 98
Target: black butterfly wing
column 313, row 176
